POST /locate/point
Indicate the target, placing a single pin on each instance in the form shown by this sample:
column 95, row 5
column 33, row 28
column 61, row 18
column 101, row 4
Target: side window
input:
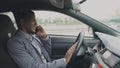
column 60, row 24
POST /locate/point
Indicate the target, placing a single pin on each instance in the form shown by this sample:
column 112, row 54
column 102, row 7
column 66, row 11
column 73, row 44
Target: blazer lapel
column 43, row 50
column 35, row 46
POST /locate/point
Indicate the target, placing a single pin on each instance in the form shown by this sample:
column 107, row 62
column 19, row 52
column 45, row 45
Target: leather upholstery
column 6, row 31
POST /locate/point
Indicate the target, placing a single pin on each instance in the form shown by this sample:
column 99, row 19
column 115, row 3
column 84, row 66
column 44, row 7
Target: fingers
column 72, row 48
column 40, row 32
column 40, row 28
column 70, row 53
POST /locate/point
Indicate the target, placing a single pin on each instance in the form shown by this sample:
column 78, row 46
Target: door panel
column 60, row 44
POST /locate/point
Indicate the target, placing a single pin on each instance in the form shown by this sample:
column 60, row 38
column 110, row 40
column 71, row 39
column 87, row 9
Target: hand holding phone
column 40, row 32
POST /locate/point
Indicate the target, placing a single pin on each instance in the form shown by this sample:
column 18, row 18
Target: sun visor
column 67, row 4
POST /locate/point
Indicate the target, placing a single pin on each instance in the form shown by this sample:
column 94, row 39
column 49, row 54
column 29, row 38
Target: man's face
column 30, row 25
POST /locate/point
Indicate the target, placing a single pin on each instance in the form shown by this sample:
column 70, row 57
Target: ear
column 22, row 22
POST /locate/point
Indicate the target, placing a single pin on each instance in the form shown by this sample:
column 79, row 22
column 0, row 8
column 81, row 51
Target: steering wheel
column 80, row 49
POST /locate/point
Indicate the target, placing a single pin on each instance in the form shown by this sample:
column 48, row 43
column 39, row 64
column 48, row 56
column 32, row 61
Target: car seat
column 7, row 30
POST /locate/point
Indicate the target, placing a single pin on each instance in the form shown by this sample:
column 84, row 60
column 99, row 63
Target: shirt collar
column 25, row 35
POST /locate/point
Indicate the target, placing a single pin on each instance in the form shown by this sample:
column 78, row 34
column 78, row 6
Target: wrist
column 65, row 60
column 41, row 36
column 44, row 36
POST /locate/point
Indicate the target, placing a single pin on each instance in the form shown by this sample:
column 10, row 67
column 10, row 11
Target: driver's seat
column 6, row 31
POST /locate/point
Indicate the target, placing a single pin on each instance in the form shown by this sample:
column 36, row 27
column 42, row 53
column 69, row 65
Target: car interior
column 90, row 52
column 60, row 46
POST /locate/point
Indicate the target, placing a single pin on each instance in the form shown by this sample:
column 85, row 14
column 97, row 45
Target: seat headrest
column 6, row 26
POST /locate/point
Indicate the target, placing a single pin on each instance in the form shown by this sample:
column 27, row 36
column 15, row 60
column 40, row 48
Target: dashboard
column 108, row 51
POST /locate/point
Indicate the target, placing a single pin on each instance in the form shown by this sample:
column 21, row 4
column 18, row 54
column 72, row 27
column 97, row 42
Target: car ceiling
column 9, row 5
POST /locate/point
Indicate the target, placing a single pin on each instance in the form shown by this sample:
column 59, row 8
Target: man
column 33, row 51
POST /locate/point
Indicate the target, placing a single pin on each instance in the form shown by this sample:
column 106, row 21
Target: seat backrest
column 7, row 29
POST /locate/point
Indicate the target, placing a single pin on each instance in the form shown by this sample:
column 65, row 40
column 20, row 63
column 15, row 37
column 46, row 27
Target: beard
column 31, row 31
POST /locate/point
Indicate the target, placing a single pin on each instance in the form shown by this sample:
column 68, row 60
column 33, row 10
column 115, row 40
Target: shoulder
column 16, row 37
column 15, row 40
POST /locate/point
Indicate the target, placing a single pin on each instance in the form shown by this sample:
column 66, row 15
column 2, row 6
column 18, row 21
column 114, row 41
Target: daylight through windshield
column 106, row 11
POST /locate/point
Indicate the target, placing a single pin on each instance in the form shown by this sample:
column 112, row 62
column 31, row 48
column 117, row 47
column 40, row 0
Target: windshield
column 106, row 11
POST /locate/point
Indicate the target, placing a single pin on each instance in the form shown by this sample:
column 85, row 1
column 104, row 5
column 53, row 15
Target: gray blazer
column 21, row 49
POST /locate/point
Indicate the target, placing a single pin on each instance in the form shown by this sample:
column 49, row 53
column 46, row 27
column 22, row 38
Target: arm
column 46, row 40
column 47, row 44
column 24, row 60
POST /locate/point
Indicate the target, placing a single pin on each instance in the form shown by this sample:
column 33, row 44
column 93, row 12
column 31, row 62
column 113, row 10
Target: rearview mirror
column 67, row 4
column 75, row 5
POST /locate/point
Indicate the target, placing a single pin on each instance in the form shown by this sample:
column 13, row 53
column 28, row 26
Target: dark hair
column 23, row 15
